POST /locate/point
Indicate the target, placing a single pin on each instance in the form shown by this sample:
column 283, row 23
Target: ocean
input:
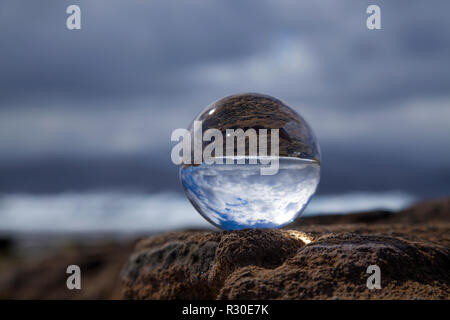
column 134, row 212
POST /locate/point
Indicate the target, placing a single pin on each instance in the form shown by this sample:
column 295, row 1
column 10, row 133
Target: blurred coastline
column 126, row 212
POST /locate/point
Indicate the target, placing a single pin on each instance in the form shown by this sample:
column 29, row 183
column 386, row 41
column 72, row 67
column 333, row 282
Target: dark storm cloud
column 152, row 47
column 124, row 47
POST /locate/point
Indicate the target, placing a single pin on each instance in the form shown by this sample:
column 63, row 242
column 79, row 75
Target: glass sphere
column 230, row 189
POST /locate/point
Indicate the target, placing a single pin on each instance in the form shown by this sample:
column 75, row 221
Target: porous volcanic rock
column 319, row 262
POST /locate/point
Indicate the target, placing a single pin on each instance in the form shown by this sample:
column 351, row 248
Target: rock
column 6, row 246
column 45, row 277
column 194, row 265
column 319, row 262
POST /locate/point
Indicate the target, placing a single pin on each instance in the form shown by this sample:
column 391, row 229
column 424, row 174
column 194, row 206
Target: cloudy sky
column 94, row 108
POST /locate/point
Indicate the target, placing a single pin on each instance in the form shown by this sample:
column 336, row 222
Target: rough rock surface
column 327, row 261
column 44, row 277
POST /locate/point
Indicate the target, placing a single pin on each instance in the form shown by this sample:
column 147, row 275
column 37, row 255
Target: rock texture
column 305, row 261
column 44, row 277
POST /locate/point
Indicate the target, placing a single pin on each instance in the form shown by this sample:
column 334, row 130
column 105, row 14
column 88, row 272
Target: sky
column 94, row 108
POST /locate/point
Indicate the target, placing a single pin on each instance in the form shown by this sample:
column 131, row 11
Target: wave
column 140, row 212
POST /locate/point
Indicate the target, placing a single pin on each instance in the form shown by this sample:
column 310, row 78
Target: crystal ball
column 257, row 163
